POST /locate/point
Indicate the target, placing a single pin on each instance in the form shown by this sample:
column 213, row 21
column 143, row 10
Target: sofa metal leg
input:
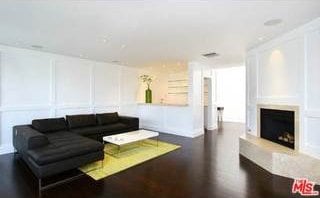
column 15, row 154
column 60, row 182
column 102, row 164
column 39, row 188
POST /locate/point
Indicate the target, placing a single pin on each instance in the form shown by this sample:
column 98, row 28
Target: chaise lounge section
column 54, row 145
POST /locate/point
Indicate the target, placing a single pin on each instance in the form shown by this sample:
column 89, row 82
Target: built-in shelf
column 179, row 93
column 184, row 86
column 178, row 80
column 177, row 88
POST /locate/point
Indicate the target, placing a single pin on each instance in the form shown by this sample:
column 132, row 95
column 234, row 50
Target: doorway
column 209, row 112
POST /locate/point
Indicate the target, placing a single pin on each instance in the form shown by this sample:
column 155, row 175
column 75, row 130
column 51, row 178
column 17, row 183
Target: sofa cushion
column 114, row 127
column 84, row 120
column 107, row 118
column 92, row 130
column 49, row 125
column 132, row 122
column 103, row 130
column 64, row 145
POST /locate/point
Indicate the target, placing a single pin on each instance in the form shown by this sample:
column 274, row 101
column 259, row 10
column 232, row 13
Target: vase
column 148, row 95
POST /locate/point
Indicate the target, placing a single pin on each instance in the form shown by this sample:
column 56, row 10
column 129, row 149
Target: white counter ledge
column 164, row 104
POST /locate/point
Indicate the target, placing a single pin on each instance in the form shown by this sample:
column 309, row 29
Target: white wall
column 210, row 106
column 170, row 119
column 286, row 71
column 40, row 85
column 162, row 85
column 182, row 120
column 231, row 93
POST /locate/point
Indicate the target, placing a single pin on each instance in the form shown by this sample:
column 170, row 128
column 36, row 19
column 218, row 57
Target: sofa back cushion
column 107, row 118
column 49, row 125
column 84, row 120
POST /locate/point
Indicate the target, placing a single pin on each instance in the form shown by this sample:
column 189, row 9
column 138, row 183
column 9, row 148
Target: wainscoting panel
column 110, row 108
column 106, row 83
column 129, row 109
column 312, row 137
column 25, row 79
column 252, row 119
column 313, row 70
column 11, row 118
column 279, row 70
column 72, row 111
column 175, row 118
column 251, row 78
column 130, row 85
column 151, row 116
column 168, row 119
column 72, row 82
column 35, row 85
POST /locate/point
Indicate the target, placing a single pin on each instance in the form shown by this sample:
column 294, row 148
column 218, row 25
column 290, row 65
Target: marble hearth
column 276, row 158
column 279, row 160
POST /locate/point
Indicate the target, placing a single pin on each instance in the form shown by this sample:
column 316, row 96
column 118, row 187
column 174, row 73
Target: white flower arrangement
column 147, row 79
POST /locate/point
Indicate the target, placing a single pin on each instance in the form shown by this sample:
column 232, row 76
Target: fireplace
column 278, row 126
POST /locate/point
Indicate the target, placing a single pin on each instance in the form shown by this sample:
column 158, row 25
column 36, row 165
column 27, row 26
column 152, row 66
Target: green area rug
column 130, row 155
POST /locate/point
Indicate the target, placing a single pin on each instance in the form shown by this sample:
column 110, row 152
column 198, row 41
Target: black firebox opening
column 277, row 126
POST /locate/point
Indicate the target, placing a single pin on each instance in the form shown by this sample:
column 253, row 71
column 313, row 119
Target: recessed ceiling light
column 105, row 40
column 123, row 46
column 261, row 38
column 36, row 46
column 210, row 55
column 273, row 22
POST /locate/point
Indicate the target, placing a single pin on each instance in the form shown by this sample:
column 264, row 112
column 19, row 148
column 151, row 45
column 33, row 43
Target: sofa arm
column 132, row 122
column 25, row 138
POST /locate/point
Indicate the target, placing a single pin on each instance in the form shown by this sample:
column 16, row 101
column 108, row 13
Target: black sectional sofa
column 54, row 145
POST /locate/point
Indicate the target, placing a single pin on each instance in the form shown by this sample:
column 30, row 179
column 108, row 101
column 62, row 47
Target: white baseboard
column 213, row 127
column 198, row 132
column 310, row 150
column 6, row 148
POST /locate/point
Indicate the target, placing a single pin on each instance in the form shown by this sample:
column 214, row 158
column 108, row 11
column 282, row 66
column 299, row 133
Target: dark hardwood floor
column 205, row 167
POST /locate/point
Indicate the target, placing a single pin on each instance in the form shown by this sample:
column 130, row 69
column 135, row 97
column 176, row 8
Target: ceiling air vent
column 210, row 55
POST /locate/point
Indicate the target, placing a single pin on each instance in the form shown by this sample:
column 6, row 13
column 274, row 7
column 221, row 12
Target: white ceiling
column 149, row 33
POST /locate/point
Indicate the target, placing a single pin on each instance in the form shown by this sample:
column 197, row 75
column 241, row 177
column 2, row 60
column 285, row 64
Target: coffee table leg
column 157, row 141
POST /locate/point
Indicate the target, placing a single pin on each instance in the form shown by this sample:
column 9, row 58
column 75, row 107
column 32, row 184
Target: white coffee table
column 129, row 137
